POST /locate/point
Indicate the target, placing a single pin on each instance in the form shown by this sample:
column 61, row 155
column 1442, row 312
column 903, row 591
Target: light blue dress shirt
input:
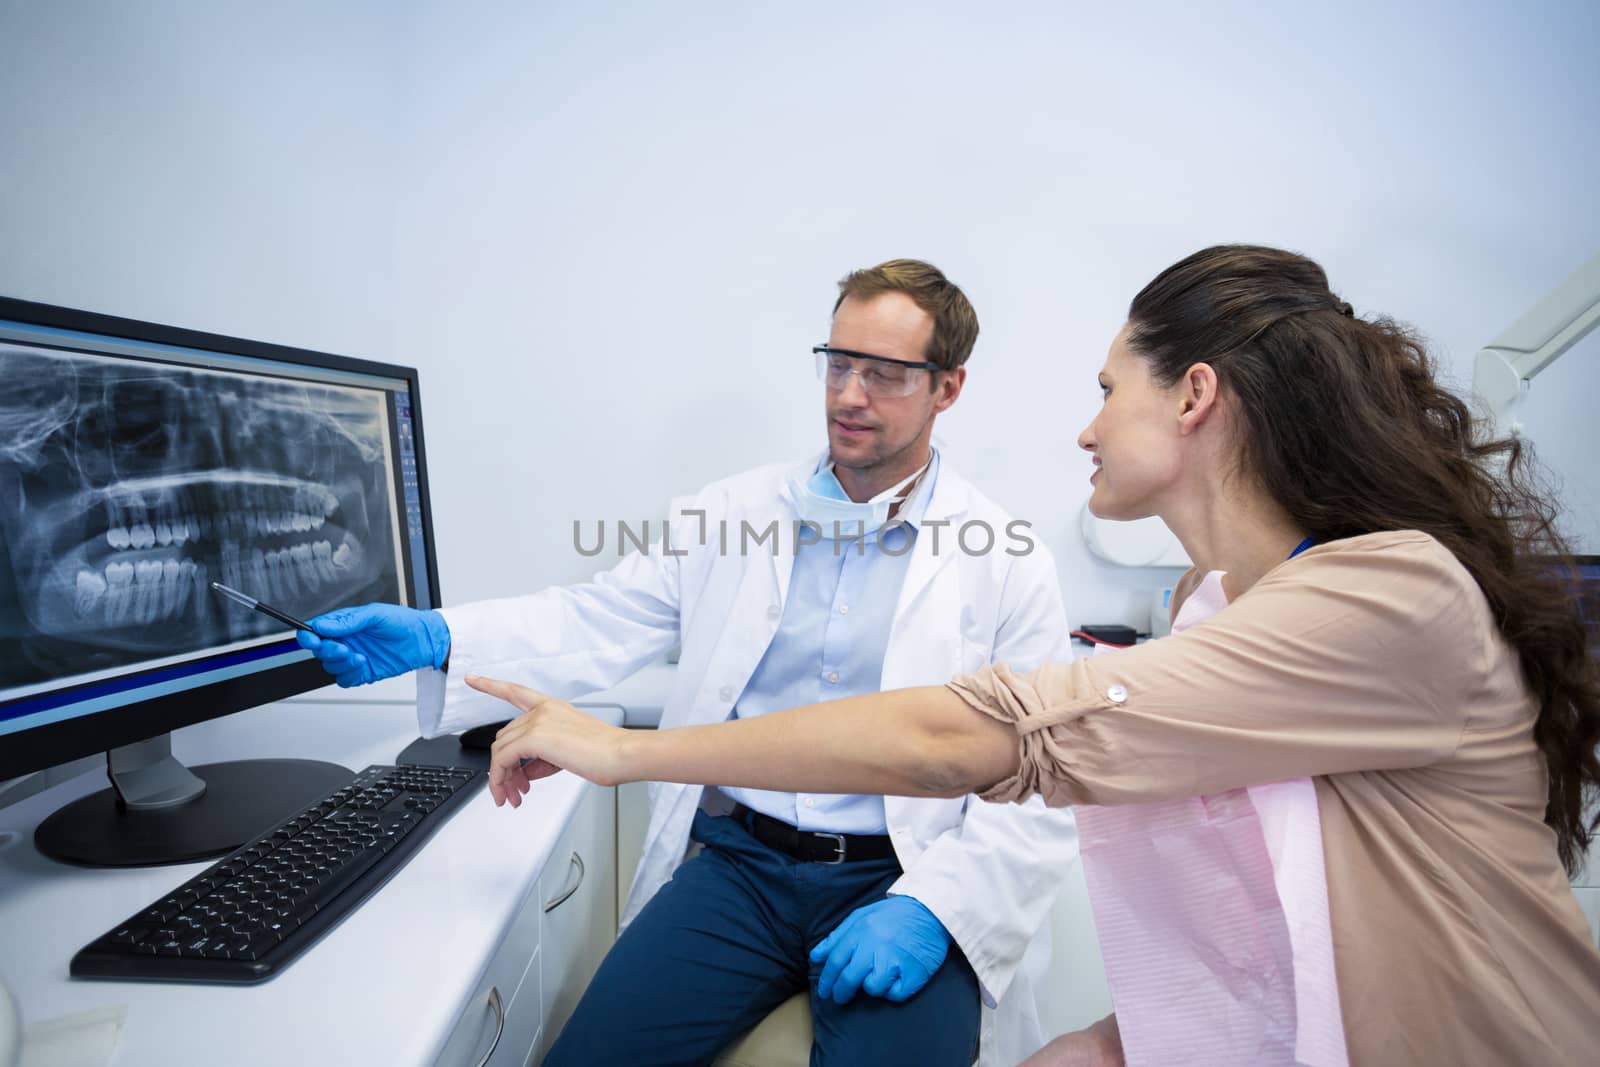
column 830, row 644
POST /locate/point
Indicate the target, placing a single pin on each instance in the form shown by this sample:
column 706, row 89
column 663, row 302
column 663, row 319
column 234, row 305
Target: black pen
column 252, row 602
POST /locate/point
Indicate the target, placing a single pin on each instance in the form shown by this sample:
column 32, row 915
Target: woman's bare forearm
column 922, row 742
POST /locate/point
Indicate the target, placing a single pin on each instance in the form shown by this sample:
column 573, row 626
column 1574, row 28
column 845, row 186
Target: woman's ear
column 1199, row 397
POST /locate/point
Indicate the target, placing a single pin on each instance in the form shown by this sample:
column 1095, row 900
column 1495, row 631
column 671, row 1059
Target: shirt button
column 833, row 676
column 726, row 692
column 844, row 609
column 810, row 803
column 1117, row 694
column 774, row 611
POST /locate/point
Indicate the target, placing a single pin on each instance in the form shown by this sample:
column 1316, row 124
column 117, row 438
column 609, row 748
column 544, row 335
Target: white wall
column 621, row 231
column 230, row 168
column 607, row 235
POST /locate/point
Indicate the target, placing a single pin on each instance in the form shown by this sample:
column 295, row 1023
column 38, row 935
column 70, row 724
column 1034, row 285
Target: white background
column 608, row 233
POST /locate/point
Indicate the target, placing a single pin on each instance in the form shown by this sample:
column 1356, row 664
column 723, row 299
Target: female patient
column 1421, row 663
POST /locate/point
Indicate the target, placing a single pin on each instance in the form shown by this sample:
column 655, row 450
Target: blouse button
column 1117, row 694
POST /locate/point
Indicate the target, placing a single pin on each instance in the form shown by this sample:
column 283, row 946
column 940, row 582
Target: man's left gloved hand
column 888, row 949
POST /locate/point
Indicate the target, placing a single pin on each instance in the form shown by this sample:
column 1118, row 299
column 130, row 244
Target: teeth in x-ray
column 188, row 582
column 275, row 575
column 257, row 569
column 322, row 560
column 230, row 567
column 301, row 556
column 91, row 587
column 343, row 557
column 142, row 536
column 138, row 592
column 119, row 592
column 277, row 580
column 146, row 589
column 117, row 537
column 169, row 586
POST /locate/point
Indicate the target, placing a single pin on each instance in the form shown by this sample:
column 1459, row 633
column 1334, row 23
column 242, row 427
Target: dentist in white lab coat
column 756, row 583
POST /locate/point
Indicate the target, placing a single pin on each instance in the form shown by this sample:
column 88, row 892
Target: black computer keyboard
column 253, row 912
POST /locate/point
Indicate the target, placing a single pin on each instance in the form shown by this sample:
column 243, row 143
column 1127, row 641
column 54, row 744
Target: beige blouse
column 1372, row 665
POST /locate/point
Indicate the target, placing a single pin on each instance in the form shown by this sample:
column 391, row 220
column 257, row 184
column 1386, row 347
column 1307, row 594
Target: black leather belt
column 813, row 846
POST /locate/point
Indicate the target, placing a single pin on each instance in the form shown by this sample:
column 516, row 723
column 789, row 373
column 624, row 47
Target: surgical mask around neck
column 823, row 502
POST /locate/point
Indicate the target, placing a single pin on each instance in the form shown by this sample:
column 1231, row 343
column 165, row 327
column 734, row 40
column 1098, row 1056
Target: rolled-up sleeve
column 1354, row 656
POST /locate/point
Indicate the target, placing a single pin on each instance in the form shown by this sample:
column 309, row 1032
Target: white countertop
column 643, row 694
column 367, row 993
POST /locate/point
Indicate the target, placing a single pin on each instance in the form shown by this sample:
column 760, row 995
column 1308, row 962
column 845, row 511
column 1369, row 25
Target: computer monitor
column 139, row 463
column 1588, row 594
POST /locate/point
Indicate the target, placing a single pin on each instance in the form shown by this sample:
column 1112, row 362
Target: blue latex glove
column 376, row 641
column 888, row 949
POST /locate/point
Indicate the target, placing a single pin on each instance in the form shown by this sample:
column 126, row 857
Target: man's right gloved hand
column 376, row 641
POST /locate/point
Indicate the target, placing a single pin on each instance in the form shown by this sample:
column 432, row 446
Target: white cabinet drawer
column 506, row 1005
column 578, row 894
column 523, row 1018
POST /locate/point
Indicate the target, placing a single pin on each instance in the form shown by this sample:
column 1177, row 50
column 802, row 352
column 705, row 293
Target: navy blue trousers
column 728, row 939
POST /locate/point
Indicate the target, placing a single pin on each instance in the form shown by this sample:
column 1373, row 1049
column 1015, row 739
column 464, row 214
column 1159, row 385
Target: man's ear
column 948, row 388
column 1199, row 397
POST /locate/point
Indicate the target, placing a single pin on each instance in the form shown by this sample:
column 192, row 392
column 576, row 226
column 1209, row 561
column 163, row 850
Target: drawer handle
column 499, row 1023
column 577, row 861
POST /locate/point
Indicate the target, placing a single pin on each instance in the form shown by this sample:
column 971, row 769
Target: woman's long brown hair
column 1347, row 427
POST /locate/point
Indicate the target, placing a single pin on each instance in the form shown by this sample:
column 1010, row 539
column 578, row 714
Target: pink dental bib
column 1212, row 917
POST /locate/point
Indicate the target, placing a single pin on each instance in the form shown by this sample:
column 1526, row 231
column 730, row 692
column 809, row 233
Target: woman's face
column 1136, row 439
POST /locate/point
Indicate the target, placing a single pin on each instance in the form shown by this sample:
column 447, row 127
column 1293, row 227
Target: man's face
column 864, row 431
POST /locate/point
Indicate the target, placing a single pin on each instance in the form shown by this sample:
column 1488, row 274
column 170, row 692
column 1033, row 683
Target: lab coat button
column 774, row 611
column 844, row 609
column 1117, row 694
column 725, row 693
column 810, row 803
column 834, row 676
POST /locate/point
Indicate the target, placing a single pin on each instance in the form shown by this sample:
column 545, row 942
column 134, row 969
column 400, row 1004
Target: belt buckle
column 838, row 843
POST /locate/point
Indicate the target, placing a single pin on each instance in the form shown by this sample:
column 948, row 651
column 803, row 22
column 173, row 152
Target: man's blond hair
column 955, row 324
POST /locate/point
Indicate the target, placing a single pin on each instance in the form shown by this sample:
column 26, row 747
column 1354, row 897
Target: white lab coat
column 989, row 872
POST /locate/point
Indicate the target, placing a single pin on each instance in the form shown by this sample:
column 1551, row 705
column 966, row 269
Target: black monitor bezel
column 45, row 746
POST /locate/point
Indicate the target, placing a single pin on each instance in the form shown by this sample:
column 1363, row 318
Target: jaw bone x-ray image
column 126, row 487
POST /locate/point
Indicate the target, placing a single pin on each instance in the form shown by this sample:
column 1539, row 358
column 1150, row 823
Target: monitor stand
column 158, row 811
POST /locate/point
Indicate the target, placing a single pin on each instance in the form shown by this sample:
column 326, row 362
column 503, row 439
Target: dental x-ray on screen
column 129, row 484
